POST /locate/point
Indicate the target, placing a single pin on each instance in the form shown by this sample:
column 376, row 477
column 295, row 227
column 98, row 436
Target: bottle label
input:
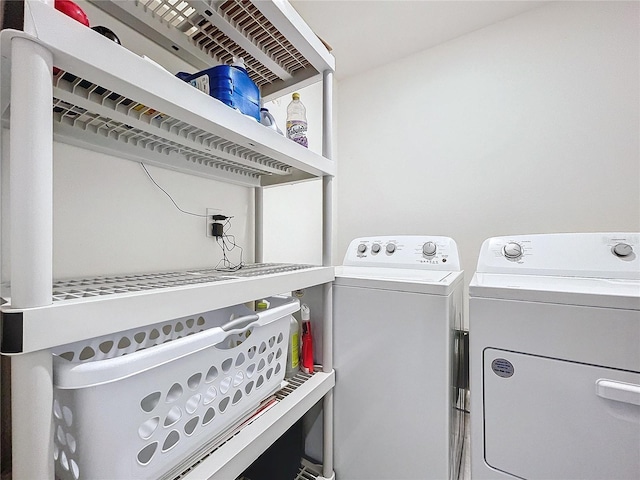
column 295, row 349
column 297, row 131
column 201, row 83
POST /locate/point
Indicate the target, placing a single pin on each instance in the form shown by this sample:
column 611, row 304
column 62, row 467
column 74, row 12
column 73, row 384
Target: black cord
column 167, row 194
column 231, row 239
column 228, row 266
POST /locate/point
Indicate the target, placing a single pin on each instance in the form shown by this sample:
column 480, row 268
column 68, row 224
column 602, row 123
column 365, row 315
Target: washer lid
column 399, row 279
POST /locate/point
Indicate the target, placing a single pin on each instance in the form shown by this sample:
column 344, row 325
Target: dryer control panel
column 591, row 255
column 404, row 251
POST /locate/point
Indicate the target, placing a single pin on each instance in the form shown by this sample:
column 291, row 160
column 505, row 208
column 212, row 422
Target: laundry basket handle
column 240, row 322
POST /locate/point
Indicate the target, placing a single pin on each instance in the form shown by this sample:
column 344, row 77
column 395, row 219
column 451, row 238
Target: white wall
column 108, row 216
column 530, row 125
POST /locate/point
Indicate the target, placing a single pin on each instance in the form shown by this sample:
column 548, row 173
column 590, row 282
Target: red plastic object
column 307, row 347
column 72, row 10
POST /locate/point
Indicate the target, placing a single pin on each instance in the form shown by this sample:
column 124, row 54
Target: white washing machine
column 554, row 326
column 397, row 302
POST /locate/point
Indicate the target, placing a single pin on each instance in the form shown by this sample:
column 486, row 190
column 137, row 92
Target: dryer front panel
column 546, row 418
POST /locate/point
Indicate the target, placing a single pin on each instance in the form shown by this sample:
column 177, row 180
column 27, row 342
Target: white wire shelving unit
column 118, row 103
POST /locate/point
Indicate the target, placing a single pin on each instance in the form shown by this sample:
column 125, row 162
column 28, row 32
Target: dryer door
column 551, row 419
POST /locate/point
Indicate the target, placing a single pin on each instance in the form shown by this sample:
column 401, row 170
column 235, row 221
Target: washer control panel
column 404, row 251
column 601, row 255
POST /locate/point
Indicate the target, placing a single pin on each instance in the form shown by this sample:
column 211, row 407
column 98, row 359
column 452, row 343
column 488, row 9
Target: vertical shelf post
column 31, row 422
column 31, row 175
column 327, row 260
column 31, row 245
column 259, row 224
column 327, row 180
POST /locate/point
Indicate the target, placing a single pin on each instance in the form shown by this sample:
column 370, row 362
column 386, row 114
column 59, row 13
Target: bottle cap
column 262, row 305
column 296, row 96
column 238, row 62
column 305, row 313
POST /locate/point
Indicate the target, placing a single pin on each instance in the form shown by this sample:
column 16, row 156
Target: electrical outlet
column 210, row 213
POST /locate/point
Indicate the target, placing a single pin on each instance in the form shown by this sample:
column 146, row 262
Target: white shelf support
column 327, row 454
column 31, row 241
column 327, row 260
column 327, row 180
column 259, row 224
column 32, row 424
column 327, row 364
column 31, row 175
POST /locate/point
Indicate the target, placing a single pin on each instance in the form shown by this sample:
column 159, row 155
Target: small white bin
column 133, row 405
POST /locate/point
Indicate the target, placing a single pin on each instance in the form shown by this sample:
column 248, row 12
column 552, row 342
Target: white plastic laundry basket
column 137, row 403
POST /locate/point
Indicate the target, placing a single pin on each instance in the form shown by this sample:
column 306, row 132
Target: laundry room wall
column 109, row 218
column 530, row 125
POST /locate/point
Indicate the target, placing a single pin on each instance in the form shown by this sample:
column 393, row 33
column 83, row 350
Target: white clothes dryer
column 554, row 326
column 397, row 304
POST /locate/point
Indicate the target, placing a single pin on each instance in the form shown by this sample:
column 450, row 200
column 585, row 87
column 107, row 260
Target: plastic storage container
column 230, row 84
column 138, row 403
column 267, row 120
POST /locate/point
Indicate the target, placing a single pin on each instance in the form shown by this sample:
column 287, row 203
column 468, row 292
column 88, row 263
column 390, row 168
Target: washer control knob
column 512, row 250
column 622, row 249
column 375, row 248
column 362, row 248
column 429, row 249
column 391, row 248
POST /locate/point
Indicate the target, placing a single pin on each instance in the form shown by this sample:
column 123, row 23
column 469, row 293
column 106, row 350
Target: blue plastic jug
column 230, row 84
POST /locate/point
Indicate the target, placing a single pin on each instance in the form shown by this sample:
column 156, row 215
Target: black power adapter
column 217, row 230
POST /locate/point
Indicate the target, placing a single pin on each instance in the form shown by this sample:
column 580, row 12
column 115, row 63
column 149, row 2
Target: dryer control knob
column 375, row 248
column 391, row 248
column 429, row 249
column 512, row 250
column 362, row 248
column 622, row 249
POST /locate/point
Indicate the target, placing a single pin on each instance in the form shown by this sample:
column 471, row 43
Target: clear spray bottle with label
column 293, row 352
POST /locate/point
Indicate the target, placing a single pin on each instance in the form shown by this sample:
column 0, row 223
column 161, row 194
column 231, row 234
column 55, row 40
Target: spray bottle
column 307, row 339
column 293, row 352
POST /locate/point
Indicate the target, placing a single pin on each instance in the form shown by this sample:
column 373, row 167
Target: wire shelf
column 116, row 117
column 292, row 385
column 208, row 26
column 73, row 289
